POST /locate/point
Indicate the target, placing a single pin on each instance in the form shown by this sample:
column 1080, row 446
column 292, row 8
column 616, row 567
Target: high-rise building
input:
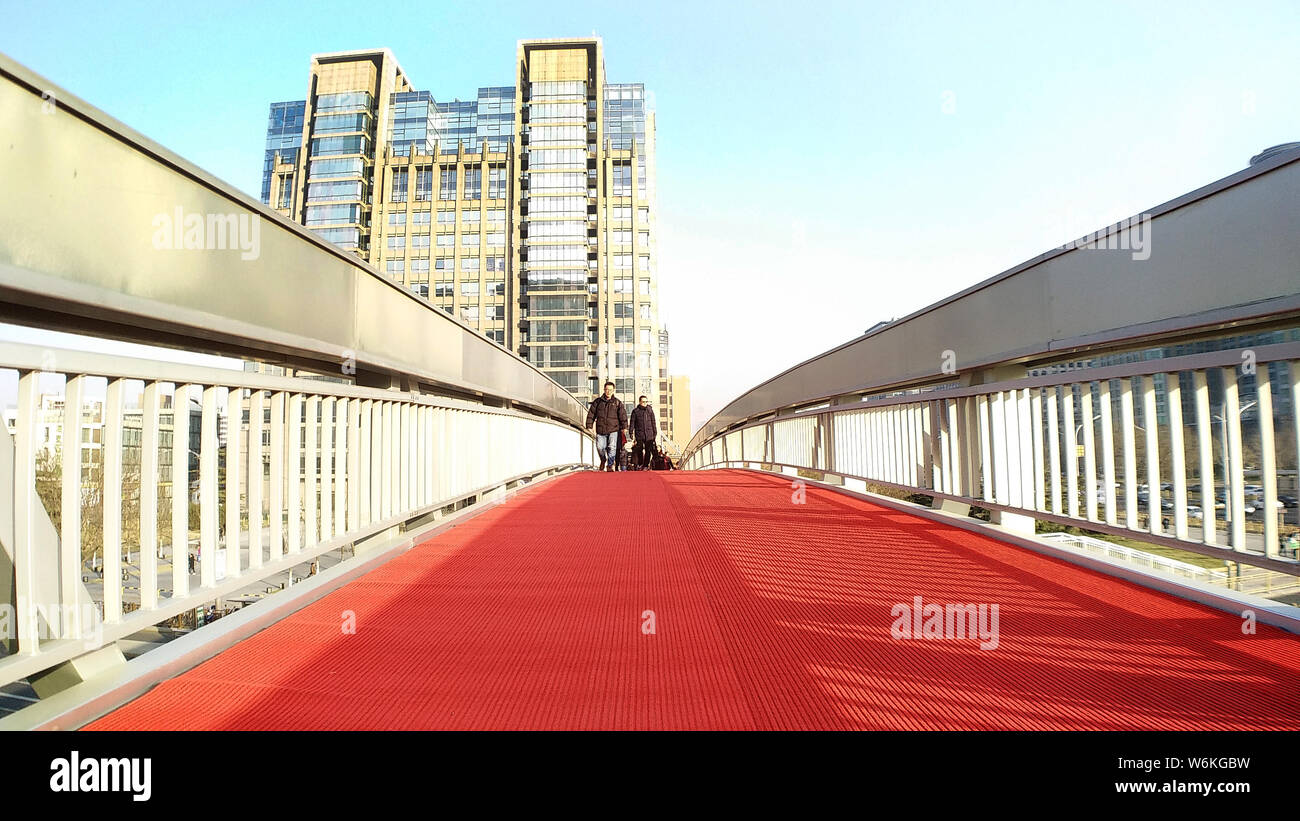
column 528, row 212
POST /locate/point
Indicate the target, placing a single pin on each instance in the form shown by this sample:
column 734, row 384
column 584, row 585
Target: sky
column 821, row 167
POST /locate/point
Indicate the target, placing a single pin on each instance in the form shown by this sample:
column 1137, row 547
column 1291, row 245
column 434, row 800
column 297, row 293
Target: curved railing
column 1119, row 385
column 398, row 413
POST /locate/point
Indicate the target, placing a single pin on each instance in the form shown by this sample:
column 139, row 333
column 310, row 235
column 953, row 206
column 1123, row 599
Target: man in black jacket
column 644, row 431
column 610, row 418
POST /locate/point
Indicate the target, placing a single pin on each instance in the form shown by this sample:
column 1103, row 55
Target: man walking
column 610, row 418
column 644, row 431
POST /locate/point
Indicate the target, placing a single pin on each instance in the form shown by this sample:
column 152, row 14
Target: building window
column 447, row 182
column 469, row 314
column 622, row 180
column 397, row 241
column 396, row 267
column 496, row 215
column 446, row 217
column 419, row 240
column 497, row 182
column 643, row 263
column 622, row 310
column 424, row 184
column 446, row 240
column 495, row 312
column 469, row 289
column 421, row 218
column 643, row 215
column 399, row 184
column 643, row 237
column 444, row 288
column 623, row 335
column 286, row 191
column 397, row 219
column 645, row 287
column 645, row 310
column 622, row 260
column 473, row 183
column 645, row 336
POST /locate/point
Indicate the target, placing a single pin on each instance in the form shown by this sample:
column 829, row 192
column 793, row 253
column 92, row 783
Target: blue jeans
column 607, row 446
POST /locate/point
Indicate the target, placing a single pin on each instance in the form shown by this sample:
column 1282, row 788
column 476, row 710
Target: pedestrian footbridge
column 421, row 541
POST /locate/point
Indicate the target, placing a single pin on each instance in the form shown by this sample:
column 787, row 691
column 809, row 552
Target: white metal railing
column 1140, row 557
column 335, row 464
column 1065, row 447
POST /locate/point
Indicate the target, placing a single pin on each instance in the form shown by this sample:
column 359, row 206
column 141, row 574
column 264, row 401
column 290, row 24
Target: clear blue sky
column 850, row 161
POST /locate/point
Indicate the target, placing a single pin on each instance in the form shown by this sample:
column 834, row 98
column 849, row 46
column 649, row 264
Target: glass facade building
column 527, row 212
column 283, row 137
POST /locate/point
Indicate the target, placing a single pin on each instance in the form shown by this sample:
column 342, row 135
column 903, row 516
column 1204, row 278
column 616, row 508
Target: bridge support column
column 953, row 506
column 1014, row 522
column 70, row 673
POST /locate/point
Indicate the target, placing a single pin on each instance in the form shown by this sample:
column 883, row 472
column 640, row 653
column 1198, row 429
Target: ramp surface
column 766, row 614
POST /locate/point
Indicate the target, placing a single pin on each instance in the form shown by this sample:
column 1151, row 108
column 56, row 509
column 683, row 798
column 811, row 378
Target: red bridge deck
column 767, row 615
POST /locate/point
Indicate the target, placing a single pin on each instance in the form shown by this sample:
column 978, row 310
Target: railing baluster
column 256, row 476
column 180, row 490
column 1036, row 433
column 386, row 493
column 986, row 460
column 1174, row 398
column 1130, row 454
column 343, row 443
column 1071, row 453
column 1107, row 452
column 1154, row 510
column 326, row 468
column 366, row 457
column 1089, row 452
column 1235, row 479
column 208, row 489
column 25, row 502
column 1267, row 457
column 148, row 499
column 311, row 450
column 70, row 559
column 280, row 471
column 1054, row 448
column 234, row 416
column 358, row 450
column 958, row 485
column 111, row 493
column 295, row 469
column 1209, row 524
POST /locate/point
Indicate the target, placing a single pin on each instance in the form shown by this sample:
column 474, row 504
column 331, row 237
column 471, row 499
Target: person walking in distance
column 644, row 431
column 609, row 417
